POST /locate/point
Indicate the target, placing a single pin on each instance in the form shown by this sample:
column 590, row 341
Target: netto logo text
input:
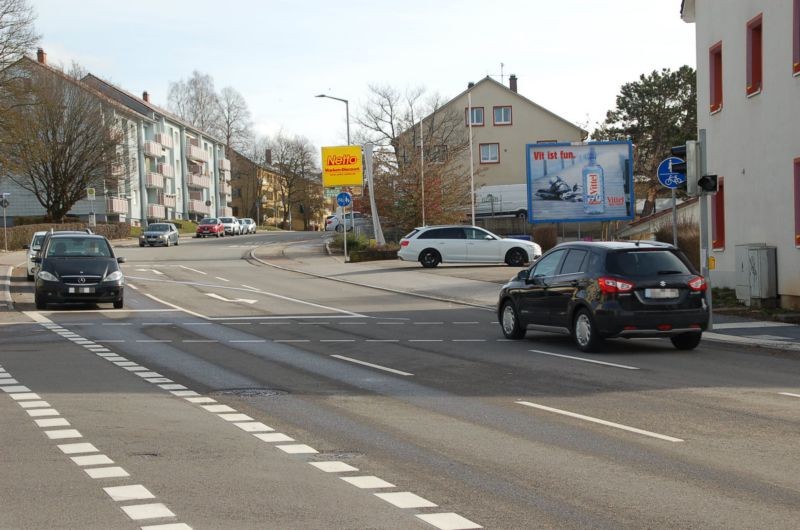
column 341, row 160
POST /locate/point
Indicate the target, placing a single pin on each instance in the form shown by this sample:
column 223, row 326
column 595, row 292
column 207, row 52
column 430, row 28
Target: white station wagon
column 431, row 245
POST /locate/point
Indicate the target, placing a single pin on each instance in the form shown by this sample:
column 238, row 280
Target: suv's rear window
column 645, row 263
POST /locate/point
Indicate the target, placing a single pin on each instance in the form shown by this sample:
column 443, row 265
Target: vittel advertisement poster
column 580, row 182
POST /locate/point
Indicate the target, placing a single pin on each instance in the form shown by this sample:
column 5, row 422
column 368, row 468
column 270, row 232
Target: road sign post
column 344, row 199
column 670, row 176
column 90, row 194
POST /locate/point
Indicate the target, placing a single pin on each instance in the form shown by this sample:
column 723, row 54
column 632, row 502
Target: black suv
column 601, row 290
column 78, row 267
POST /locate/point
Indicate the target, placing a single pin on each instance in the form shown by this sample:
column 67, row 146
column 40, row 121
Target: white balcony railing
column 198, row 181
column 156, row 211
column 165, row 140
column 166, row 170
column 170, row 200
column 198, row 207
column 154, row 180
column 224, row 164
column 116, row 205
column 224, row 188
column 226, row 212
column 153, row 149
column 194, row 152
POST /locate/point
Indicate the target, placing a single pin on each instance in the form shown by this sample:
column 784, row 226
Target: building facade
column 748, row 90
column 254, row 190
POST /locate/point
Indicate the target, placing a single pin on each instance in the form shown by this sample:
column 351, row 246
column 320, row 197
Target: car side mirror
column 488, row 238
column 121, row 259
column 523, row 275
column 36, row 259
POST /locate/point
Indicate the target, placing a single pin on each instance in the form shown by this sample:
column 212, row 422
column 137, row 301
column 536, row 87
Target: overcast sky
column 571, row 56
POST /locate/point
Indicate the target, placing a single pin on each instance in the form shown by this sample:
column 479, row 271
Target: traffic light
column 690, row 152
column 708, row 184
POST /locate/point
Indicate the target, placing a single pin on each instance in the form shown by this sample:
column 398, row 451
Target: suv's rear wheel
column 429, row 258
column 584, row 332
column 686, row 341
column 516, row 257
column 509, row 321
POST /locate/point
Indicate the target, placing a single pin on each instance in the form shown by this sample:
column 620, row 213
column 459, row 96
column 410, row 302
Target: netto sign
column 341, row 166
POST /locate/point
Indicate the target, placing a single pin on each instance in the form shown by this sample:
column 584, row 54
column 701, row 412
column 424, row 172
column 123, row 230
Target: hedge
column 19, row 236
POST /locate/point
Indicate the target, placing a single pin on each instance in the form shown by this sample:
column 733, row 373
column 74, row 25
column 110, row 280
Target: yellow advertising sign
column 341, row 166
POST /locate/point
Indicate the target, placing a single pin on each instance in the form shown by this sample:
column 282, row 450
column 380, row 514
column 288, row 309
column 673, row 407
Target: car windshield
column 225, row 220
column 78, row 247
column 37, row 242
column 158, row 228
column 208, row 222
column 645, row 263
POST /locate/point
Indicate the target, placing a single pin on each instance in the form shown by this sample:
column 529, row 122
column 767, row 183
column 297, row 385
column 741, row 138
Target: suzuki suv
column 599, row 290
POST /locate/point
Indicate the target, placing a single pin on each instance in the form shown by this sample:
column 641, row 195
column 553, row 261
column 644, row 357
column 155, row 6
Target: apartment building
column 254, row 189
column 748, row 89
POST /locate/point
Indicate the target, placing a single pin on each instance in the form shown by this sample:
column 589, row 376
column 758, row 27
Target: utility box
column 756, row 275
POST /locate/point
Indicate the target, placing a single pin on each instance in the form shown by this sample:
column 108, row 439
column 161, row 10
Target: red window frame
column 480, row 158
column 796, row 38
column 467, row 117
column 715, row 77
column 503, row 123
column 718, row 217
column 754, row 55
column 797, row 202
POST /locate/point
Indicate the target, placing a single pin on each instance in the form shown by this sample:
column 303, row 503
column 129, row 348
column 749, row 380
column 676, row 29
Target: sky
column 570, row 56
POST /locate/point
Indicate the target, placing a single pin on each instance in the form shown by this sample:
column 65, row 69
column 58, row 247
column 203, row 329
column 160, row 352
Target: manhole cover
column 250, row 392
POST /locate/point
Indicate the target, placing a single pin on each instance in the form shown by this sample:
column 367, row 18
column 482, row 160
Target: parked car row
column 351, row 220
column 222, row 226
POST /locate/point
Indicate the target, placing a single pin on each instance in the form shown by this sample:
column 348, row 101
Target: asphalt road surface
column 232, row 394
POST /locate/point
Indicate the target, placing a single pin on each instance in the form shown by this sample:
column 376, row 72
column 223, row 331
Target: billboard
column 580, row 182
column 341, row 166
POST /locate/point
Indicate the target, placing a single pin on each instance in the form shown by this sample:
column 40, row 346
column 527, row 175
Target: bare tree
column 17, row 34
column 234, row 119
column 195, row 101
column 59, row 142
column 391, row 120
column 294, row 157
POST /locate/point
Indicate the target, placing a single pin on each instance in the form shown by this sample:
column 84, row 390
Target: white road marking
column 218, row 408
column 199, row 341
column 249, row 287
column 353, row 324
column 91, row 460
column 462, row 323
column 390, row 323
column 235, row 417
column 221, row 279
column 274, row 437
column 16, row 388
column 789, row 394
column 135, row 492
column 383, row 340
column 8, row 380
column 425, row 340
column 297, row 449
column 200, row 399
column 741, row 325
column 75, row 449
column 145, row 375
column 469, row 340
column 197, row 324
column 247, row 341
column 52, row 422
column 191, row 269
column 599, row 421
column 333, row 467
column 593, row 361
column 172, row 386
column 223, row 299
column 254, row 426
column 117, row 324
column 368, row 482
column 37, row 413
column 168, row 526
column 377, row 366
column 406, row 499
column 156, row 323
column 107, row 472
column 25, row 396
column 337, row 340
column 130, row 285
column 34, row 404
column 292, row 340
column 138, row 512
column 428, row 323
column 156, row 380
column 62, row 434
column 237, row 323
column 448, row 521
column 184, row 393
column 153, row 341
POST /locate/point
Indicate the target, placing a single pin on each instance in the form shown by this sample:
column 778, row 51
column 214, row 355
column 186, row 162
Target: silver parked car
column 33, row 251
column 159, row 234
column 248, row 226
column 231, row 225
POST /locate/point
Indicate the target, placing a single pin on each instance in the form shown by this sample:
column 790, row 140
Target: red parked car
column 210, row 226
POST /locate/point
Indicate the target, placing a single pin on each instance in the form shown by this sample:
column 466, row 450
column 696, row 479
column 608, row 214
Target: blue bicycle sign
column 669, row 178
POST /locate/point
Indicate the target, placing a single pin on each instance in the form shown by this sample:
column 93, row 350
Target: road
column 230, row 393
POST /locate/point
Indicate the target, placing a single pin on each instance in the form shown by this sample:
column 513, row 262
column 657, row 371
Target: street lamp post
column 347, row 111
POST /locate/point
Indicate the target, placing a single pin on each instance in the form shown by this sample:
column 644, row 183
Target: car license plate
column 661, row 293
column 81, row 290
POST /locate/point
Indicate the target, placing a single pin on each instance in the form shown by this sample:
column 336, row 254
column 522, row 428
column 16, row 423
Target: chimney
column 268, row 156
column 470, row 85
column 146, row 96
column 41, row 56
column 512, row 83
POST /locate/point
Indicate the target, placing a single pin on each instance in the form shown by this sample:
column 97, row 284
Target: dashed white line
column 368, row 482
column 297, row 449
column 789, row 394
column 221, row 279
column 63, row 434
column 593, row 361
column 107, row 472
column 274, row 437
column 448, row 521
column 92, row 460
column 191, row 269
column 333, row 467
column 376, row 366
column 405, row 499
column 139, row 512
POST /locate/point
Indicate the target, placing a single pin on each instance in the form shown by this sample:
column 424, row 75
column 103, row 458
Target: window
column 477, row 233
column 718, row 217
column 547, row 265
column 574, row 262
column 502, row 115
column 477, row 116
column 754, row 56
column 715, row 76
column 437, row 154
column 796, row 38
column 490, row 153
column 797, row 202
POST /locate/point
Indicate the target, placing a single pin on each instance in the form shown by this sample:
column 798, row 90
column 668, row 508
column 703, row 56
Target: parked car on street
column 599, row 290
column 33, row 249
column 231, row 225
column 78, row 267
column 159, row 234
column 355, row 219
column 431, row 245
column 210, row 226
column 248, row 226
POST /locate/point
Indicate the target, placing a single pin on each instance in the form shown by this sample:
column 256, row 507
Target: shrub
column 546, row 236
column 19, row 236
column 688, row 239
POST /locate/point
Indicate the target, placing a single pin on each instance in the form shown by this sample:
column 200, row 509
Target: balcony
column 170, row 200
column 156, row 211
column 226, row 212
column 154, row 180
column 153, row 149
column 198, row 181
column 116, row 205
column 224, row 188
column 224, row 164
column 198, row 207
column 118, row 170
column 165, row 140
column 225, row 175
column 166, row 170
column 196, row 153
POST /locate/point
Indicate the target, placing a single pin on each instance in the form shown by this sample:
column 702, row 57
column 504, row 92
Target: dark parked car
column 602, row 290
column 210, row 226
column 78, row 267
column 159, row 234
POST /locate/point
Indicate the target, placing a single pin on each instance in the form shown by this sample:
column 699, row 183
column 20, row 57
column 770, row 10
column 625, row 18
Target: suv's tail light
column 613, row 285
column 404, row 243
column 698, row 283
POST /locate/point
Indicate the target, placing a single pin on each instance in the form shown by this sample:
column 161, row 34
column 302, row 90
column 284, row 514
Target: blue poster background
column 557, row 173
